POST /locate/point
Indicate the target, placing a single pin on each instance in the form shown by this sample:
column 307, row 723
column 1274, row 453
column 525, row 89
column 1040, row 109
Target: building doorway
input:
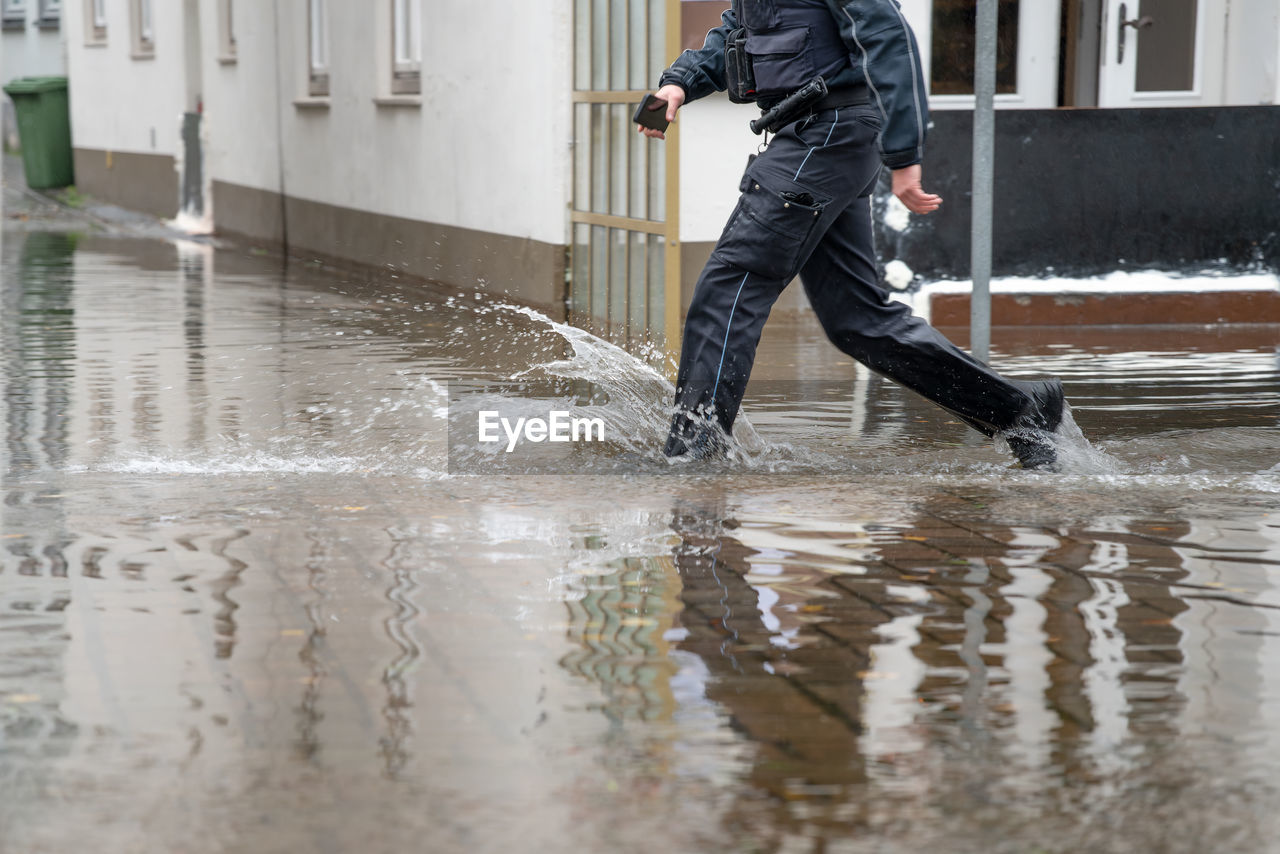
column 1166, row 53
column 1142, row 53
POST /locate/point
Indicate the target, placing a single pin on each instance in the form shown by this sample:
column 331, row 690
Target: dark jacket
column 882, row 52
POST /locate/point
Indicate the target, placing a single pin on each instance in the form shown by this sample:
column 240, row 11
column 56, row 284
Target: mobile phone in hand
column 652, row 113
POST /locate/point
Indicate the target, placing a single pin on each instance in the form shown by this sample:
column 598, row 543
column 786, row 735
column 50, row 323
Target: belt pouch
column 737, row 66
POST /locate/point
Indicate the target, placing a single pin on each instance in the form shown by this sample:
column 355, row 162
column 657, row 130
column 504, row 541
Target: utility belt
column 809, row 98
column 785, row 79
column 858, row 95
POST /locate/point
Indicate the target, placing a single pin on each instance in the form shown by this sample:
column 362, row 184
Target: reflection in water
column 933, row 665
column 619, row 619
column 224, row 620
column 403, row 561
column 37, row 330
column 37, row 372
column 787, row 651
column 196, row 267
column 311, row 653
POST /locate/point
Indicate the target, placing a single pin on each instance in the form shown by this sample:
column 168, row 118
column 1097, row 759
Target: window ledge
column 313, row 102
column 398, row 100
column 14, row 24
column 49, row 24
column 96, row 43
column 142, row 54
column 228, row 59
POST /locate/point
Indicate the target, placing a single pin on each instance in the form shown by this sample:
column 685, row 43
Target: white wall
column 119, row 103
column 715, row 142
column 1253, row 51
column 241, row 111
column 487, row 147
column 30, row 52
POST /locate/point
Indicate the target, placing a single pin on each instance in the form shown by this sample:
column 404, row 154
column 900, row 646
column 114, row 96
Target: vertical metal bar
column 650, row 74
column 619, row 139
column 637, row 286
column 582, row 45
column 580, row 250
column 984, row 132
column 624, row 126
column 619, row 264
column 600, row 276
column 657, row 36
column 672, row 293
column 599, row 45
column 625, row 83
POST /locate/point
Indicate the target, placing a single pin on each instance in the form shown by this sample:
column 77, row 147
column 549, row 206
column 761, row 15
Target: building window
column 954, row 28
column 318, row 48
column 50, row 13
column 1166, row 55
column 95, row 16
column 15, row 14
column 226, row 31
column 406, row 40
column 144, row 41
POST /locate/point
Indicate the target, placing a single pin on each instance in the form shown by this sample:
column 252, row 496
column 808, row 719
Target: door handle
column 1145, row 22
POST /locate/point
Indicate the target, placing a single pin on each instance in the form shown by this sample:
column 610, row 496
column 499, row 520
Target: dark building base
column 1082, row 192
column 528, row 271
column 139, row 182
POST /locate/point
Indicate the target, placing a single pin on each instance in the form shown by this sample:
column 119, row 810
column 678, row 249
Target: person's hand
column 908, row 189
column 674, row 96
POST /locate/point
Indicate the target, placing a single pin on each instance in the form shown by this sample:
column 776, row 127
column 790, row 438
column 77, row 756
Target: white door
column 1162, row 53
column 1028, row 31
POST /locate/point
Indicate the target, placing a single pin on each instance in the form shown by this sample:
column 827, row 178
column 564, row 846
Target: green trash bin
column 44, row 127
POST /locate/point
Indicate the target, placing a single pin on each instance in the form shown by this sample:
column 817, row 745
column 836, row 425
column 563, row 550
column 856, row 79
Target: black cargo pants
column 805, row 208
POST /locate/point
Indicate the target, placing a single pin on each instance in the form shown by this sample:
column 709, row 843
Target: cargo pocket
column 780, row 62
column 770, row 227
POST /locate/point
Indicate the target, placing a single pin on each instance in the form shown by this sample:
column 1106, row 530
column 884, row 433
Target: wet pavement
column 251, row 600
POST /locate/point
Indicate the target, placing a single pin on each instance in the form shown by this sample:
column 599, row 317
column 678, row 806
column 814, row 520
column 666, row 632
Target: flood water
column 253, row 599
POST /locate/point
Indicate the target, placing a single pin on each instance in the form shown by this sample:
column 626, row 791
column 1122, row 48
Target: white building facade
column 361, row 131
column 30, row 46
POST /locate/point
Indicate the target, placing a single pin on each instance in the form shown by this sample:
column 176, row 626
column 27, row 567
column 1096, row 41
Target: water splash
column 371, row 420
column 636, row 393
column 1076, row 455
column 241, row 463
column 638, row 396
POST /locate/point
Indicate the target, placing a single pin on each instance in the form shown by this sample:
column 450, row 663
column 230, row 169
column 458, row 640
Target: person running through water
column 805, row 210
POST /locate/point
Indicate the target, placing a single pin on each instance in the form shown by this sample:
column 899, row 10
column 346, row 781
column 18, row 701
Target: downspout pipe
column 284, row 207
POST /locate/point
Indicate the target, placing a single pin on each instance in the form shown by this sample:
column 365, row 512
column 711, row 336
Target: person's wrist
column 672, row 89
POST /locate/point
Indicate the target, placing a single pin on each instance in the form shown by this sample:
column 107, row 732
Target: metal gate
column 625, row 256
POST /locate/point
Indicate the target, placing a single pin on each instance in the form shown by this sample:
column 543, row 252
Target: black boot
column 695, row 439
column 1031, row 437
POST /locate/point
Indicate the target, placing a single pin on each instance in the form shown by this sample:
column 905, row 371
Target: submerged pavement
column 250, row 600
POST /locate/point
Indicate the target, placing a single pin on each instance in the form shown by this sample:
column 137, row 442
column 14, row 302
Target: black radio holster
column 737, row 68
